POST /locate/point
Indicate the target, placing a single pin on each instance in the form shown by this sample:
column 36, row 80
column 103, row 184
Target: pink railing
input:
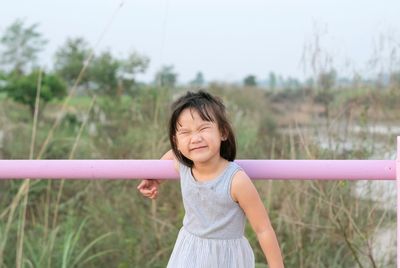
column 163, row 169
column 256, row 169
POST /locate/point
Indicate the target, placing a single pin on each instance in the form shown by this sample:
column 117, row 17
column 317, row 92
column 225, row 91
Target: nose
column 196, row 137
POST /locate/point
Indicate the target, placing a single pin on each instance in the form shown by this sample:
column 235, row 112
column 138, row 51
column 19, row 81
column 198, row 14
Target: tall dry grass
column 106, row 223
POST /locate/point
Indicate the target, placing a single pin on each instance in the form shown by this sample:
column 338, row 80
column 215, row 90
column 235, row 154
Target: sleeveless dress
column 212, row 235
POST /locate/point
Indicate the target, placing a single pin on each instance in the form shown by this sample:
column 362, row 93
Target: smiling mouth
column 198, row 148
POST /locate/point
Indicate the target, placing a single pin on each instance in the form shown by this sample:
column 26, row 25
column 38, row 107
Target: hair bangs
column 205, row 113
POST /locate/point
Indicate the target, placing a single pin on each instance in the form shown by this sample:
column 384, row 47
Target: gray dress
column 213, row 226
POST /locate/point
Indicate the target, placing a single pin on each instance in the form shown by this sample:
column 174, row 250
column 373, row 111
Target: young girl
column 217, row 194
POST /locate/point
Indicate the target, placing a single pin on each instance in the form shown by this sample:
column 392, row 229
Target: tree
column 327, row 80
column 21, row 46
column 272, row 81
column 112, row 75
column 199, row 80
column 250, row 81
column 3, row 78
column 103, row 73
column 134, row 64
column 292, row 83
column 70, row 59
column 23, row 88
column 395, row 79
column 166, row 77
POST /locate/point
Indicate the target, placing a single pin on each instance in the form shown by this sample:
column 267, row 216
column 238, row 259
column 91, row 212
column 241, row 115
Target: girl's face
column 197, row 139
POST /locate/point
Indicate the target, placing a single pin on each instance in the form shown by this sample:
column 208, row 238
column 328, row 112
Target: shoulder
column 241, row 184
column 171, row 156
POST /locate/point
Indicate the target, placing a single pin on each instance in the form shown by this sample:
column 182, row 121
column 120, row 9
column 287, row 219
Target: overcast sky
column 226, row 40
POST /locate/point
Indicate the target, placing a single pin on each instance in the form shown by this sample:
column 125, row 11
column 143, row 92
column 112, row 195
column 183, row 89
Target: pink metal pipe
column 256, row 169
column 398, row 200
column 163, row 169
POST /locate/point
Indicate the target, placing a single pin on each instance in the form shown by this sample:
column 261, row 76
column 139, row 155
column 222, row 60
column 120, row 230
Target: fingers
column 148, row 183
column 148, row 191
column 152, row 194
column 143, row 184
column 149, row 188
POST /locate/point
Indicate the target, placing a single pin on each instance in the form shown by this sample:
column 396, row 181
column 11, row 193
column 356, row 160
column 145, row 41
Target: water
column 379, row 142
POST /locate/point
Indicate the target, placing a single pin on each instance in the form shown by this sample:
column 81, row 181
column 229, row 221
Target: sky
column 225, row 40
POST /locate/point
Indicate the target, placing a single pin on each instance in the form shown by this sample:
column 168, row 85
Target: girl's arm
column 171, row 156
column 244, row 192
column 149, row 187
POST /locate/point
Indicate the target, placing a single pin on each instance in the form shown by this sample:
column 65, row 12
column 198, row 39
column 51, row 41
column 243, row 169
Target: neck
column 210, row 167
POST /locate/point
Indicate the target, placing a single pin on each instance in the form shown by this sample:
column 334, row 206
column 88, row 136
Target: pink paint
column 163, row 169
column 256, row 169
column 398, row 200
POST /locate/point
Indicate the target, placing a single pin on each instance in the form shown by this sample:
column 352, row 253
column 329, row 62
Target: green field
column 108, row 224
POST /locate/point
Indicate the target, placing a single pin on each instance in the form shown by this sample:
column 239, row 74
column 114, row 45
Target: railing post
column 398, row 199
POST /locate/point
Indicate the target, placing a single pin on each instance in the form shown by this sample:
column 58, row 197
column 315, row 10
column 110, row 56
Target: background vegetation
column 91, row 106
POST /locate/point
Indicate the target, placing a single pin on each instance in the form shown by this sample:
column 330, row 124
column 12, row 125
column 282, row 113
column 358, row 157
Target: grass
column 102, row 223
column 76, row 101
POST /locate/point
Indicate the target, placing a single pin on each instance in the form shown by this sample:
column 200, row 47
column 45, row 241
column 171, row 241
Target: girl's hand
column 149, row 188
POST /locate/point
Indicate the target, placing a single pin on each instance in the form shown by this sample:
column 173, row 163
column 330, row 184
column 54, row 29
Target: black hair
column 211, row 109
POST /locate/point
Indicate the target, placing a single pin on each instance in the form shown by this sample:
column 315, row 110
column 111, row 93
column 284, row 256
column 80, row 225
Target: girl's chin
column 197, row 157
column 201, row 158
